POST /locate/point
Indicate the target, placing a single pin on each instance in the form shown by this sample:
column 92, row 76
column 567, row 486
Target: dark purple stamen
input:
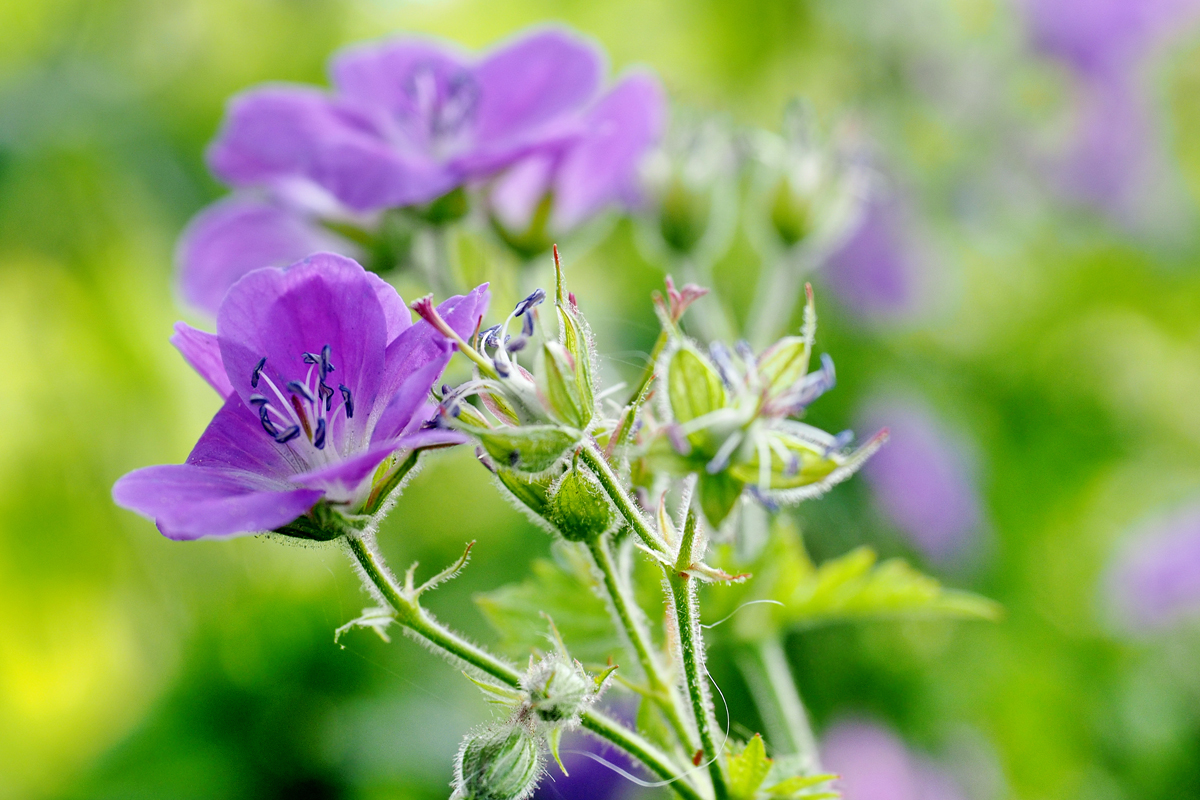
column 501, row 368
column 258, row 368
column 516, row 345
column 326, row 393
column 287, row 435
column 534, row 299
column 491, row 336
column 527, row 324
column 257, row 400
column 349, row 400
column 268, row 426
column 299, row 388
column 319, row 435
column 720, row 356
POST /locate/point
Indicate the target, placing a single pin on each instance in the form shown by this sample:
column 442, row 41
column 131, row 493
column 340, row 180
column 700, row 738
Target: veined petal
column 411, row 396
column 396, row 312
column 189, row 502
column 203, row 352
column 532, row 88
column 344, row 482
column 601, row 167
column 280, row 315
column 237, row 235
column 235, row 440
column 430, row 437
column 515, row 195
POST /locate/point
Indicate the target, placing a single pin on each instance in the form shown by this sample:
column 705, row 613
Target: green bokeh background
column 135, row 667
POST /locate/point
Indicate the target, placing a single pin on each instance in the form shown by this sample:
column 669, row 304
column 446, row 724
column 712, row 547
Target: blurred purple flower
column 1154, row 577
column 588, row 778
column 874, row 272
column 584, row 174
column 874, row 764
column 1117, row 160
column 923, row 480
column 324, row 376
column 408, row 120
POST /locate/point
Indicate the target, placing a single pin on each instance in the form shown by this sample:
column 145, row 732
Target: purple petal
column 1154, row 579
column 202, row 351
column 923, row 480
column 280, row 315
column 235, row 440
column 396, row 312
column 343, row 481
column 530, row 90
column 430, row 437
column 411, row 397
column 237, row 235
column 875, row 272
column 875, row 764
column 602, row 167
column 515, row 195
column 190, row 502
column 421, row 344
column 277, row 135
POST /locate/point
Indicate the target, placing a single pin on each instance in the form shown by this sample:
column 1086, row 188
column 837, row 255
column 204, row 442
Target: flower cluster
column 411, row 124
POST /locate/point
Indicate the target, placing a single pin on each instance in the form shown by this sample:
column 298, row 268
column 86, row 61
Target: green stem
column 416, row 619
column 612, row 487
column 660, row 344
column 765, row 666
column 629, row 616
column 691, row 646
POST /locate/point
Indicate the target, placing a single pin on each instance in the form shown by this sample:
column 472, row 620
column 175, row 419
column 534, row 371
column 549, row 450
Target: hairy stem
column 612, row 487
column 420, row 622
column 691, row 646
column 647, row 375
column 765, row 667
column 629, row 616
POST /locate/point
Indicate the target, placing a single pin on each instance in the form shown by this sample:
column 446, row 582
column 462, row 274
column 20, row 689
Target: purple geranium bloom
column 408, row 120
column 879, row 270
column 874, row 764
column 923, row 481
column 324, row 377
column 1154, row 580
column 588, row 172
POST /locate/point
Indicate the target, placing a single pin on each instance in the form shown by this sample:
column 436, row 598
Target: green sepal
column 559, row 383
column 531, row 449
column 575, row 337
column 784, row 363
column 579, row 509
column 694, row 386
column 811, row 466
column 718, row 495
column 534, row 493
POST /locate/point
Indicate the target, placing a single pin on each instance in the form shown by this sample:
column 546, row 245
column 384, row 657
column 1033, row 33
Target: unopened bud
column 559, row 690
column 579, row 509
column 558, row 381
column 791, row 213
column 498, row 762
column 684, row 215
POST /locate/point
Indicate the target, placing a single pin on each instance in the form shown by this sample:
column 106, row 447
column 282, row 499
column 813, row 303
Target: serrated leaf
column 748, row 769
column 564, row 590
column 694, row 387
column 794, row 788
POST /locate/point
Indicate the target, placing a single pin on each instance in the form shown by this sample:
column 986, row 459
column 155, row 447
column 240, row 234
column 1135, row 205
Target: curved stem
column 420, row 622
column 629, row 616
column 765, row 666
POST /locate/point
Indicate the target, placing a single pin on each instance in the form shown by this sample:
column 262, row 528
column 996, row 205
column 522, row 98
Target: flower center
column 301, row 408
column 442, row 104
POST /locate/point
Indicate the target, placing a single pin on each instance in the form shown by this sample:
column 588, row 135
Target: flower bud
column 498, row 762
column 558, row 383
column 531, row 449
column 533, row 493
column 579, row 509
column 559, row 690
column 791, row 213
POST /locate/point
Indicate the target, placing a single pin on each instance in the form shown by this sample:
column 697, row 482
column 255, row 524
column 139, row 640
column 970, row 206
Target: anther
column 325, row 391
column 302, row 390
column 287, row 435
column 268, row 426
column 348, row 399
column 319, row 435
column 534, row 299
column 527, row 324
column 258, row 368
column 258, row 400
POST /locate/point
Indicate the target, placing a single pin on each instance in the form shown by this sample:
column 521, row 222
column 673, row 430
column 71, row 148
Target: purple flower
column 588, row 779
column 1154, row 578
column 923, row 480
column 324, row 376
column 877, row 271
column 1117, row 161
column 408, row 120
column 586, row 173
column 874, row 764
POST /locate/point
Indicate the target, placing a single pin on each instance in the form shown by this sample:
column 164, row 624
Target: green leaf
column 854, row 586
column 718, row 495
column 530, row 449
column 794, row 788
column 694, row 388
column 748, row 769
column 564, row 590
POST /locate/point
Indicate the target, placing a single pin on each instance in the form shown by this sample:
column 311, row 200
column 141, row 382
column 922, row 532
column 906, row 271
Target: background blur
column 1037, row 341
